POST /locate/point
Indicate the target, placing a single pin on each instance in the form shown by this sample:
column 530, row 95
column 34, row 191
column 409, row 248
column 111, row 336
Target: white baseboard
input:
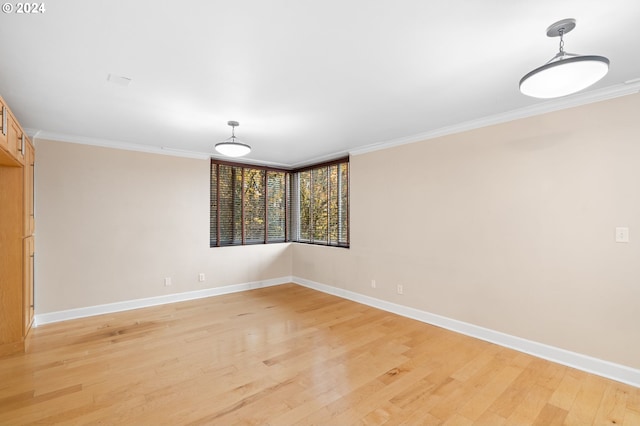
column 610, row 370
column 108, row 308
column 582, row 362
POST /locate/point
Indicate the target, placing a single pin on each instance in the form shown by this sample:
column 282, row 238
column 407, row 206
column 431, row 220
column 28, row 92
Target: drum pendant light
column 566, row 73
column 231, row 147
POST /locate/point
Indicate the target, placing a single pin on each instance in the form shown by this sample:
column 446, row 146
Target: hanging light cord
column 561, row 54
column 233, row 133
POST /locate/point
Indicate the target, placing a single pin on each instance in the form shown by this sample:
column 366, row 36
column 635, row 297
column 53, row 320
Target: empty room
column 320, row 213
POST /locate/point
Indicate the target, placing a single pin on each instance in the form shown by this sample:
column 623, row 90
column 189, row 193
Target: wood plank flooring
column 290, row 355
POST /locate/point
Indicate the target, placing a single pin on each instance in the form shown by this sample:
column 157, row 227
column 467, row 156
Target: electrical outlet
column 373, row 283
column 400, row 289
column 167, row 281
column 622, row 235
column 201, row 277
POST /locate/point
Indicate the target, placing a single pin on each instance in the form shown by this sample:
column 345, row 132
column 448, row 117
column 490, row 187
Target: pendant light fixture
column 565, row 73
column 231, row 147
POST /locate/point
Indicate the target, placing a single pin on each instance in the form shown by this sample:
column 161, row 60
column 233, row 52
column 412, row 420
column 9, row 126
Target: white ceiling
column 307, row 80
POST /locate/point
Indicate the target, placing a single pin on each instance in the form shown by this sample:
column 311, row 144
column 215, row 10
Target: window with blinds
column 320, row 204
column 249, row 205
column 259, row 205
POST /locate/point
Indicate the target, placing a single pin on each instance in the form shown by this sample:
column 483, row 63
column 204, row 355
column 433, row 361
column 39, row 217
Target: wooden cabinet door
column 29, row 170
column 28, row 311
column 11, row 259
column 4, row 124
column 16, row 139
column 16, row 229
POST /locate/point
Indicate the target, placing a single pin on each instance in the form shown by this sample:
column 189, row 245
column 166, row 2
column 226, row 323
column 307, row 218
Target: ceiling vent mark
column 119, row 80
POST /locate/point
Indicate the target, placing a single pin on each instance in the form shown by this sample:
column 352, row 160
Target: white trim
column 107, row 143
column 584, row 98
column 320, row 159
column 618, row 90
column 127, row 305
column 610, row 370
column 128, row 146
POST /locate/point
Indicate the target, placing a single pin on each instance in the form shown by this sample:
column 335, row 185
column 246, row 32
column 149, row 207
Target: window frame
column 291, row 201
column 243, row 240
column 295, row 204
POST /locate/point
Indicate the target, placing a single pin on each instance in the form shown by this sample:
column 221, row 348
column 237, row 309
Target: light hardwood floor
column 290, row 355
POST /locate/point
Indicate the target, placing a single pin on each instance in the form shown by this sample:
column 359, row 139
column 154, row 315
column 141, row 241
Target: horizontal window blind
column 320, row 198
column 259, row 205
column 248, row 205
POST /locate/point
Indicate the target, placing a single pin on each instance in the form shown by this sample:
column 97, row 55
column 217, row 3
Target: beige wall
column 509, row 227
column 111, row 224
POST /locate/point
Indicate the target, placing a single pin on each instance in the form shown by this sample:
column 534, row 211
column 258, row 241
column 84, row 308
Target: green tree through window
column 320, row 204
column 258, row 205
